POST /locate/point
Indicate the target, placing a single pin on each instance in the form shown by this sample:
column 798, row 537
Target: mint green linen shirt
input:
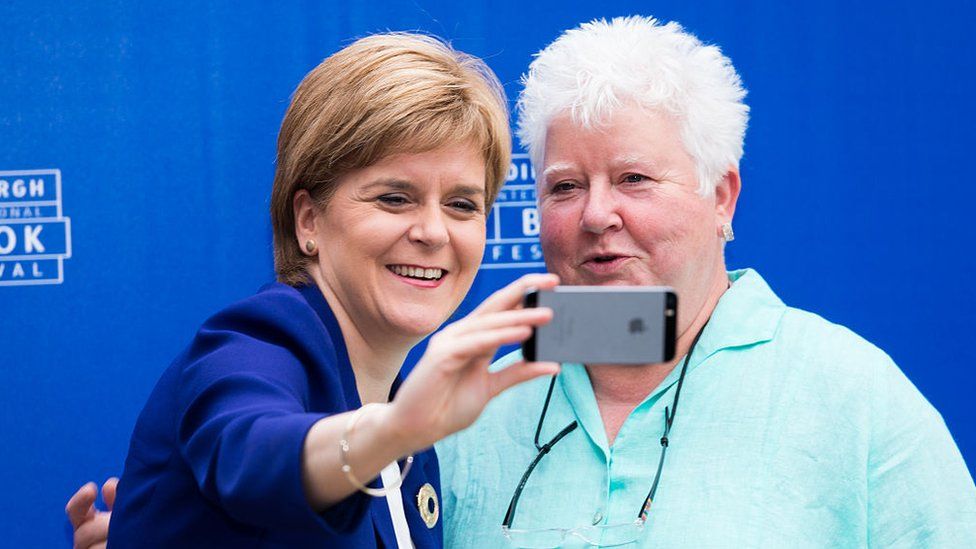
column 791, row 432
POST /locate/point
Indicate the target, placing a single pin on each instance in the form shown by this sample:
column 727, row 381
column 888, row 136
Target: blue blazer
column 215, row 458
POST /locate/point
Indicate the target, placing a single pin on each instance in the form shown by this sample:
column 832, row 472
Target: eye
column 393, row 200
column 463, row 205
column 563, row 187
column 634, row 178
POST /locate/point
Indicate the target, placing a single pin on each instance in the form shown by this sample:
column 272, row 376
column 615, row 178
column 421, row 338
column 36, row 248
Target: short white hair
column 593, row 69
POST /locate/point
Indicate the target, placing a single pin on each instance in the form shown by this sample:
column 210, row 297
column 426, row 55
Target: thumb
column 518, row 373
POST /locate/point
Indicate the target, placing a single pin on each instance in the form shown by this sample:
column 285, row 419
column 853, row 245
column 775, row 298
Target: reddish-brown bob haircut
column 382, row 95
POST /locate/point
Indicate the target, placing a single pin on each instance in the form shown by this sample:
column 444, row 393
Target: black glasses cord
column 669, row 414
column 668, row 420
column 543, row 450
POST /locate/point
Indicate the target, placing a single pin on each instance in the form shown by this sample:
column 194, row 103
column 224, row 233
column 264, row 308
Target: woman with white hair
column 792, row 430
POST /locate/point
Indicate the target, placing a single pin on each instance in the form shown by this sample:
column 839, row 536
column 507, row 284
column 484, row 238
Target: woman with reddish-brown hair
column 286, row 421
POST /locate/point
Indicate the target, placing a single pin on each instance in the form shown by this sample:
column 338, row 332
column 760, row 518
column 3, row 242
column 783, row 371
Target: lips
column 604, row 262
column 606, row 258
column 603, row 257
column 418, row 272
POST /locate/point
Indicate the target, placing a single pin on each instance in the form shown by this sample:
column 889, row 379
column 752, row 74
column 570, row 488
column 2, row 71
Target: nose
column 430, row 228
column 600, row 210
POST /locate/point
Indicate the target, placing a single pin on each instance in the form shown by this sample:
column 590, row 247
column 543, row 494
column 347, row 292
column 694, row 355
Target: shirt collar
column 748, row 313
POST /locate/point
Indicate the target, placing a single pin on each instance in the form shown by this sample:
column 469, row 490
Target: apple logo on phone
column 636, row 325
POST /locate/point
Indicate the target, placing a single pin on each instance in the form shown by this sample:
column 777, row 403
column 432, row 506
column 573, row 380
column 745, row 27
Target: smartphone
column 604, row 325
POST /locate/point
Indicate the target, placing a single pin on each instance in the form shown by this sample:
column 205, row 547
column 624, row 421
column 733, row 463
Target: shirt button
column 597, row 518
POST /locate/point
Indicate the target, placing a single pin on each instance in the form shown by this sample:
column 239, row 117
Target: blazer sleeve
column 244, row 399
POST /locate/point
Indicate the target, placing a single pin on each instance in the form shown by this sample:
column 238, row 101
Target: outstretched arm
column 446, row 392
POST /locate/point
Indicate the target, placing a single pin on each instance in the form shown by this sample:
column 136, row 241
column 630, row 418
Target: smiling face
column 400, row 241
column 619, row 205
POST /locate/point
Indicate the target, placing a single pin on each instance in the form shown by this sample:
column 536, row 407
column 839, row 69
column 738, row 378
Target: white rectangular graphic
column 35, row 236
column 513, row 223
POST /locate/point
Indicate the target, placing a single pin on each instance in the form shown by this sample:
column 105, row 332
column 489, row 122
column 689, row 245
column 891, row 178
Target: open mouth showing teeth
column 417, row 272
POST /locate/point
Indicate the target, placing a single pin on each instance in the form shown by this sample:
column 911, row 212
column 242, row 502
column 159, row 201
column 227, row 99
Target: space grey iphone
column 604, row 325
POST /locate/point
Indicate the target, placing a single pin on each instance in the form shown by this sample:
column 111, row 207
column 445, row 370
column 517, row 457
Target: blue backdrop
column 137, row 143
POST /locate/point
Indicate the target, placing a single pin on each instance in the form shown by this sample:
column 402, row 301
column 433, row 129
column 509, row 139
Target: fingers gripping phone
column 604, row 325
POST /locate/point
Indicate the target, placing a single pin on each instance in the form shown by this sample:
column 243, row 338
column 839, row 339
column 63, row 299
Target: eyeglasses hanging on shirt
column 603, row 535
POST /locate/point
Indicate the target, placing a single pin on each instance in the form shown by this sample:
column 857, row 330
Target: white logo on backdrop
column 513, row 224
column 35, row 237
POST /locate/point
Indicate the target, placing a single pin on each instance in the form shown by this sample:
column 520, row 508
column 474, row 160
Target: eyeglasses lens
column 602, row 536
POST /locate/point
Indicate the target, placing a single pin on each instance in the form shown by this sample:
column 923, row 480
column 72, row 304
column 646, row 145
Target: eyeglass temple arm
column 542, row 416
column 510, row 514
column 646, row 507
column 668, row 420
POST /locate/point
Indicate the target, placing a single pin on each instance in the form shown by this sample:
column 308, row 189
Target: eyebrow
column 561, row 167
column 402, row 185
column 391, row 183
column 630, row 159
column 617, row 161
column 469, row 190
